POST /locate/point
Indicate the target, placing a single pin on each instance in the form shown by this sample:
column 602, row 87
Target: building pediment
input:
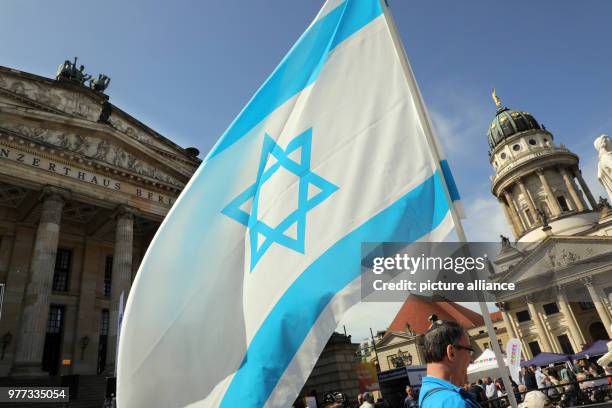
column 394, row 338
column 25, row 95
column 102, row 151
column 560, row 257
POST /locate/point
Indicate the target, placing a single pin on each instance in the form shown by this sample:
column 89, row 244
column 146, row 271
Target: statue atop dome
column 496, row 99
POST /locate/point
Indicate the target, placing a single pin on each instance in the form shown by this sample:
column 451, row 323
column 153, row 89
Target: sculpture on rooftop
column 505, row 241
column 99, row 84
column 69, row 71
column 603, row 204
column 496, row 99
column 543, row 217
column 603, row 145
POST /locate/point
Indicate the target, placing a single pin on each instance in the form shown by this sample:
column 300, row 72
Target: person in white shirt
column 491, row 390
column 368, row 401
column 539, row 375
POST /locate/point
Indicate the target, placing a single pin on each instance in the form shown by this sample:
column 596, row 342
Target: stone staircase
column 90, row 392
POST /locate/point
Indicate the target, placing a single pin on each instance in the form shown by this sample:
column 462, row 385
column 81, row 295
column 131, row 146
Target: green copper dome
column 507, row 122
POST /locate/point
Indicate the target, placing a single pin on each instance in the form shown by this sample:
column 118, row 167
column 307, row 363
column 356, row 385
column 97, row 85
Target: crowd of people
column 448, row 354
column 563, row 385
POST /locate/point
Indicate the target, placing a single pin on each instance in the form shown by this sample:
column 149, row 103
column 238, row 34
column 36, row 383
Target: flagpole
column 433, row 144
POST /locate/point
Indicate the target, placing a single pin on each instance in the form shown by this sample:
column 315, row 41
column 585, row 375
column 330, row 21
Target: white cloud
column 461, row 121
column 366, row 315
column 485, row 220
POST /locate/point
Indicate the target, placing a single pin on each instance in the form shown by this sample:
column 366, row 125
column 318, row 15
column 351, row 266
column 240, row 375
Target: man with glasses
column 448, row 354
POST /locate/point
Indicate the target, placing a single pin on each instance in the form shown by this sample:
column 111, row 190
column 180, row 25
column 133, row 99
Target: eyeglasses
column 460, row 347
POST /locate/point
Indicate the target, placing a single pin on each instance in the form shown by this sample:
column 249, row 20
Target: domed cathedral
column 537, row 181
column 561, row 261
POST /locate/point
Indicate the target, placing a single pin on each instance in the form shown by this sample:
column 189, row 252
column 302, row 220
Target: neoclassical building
column 83, row 188
column 562, row 258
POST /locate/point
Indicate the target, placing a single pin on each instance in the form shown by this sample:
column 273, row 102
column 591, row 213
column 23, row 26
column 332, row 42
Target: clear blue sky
column 187, row 67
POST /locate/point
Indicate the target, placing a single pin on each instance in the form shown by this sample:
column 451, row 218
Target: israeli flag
column 259, row 258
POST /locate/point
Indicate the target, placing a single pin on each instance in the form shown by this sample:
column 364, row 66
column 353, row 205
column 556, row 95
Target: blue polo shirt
column 450, row 396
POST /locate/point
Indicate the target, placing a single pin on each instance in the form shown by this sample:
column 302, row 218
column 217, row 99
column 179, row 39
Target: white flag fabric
column 259, row 258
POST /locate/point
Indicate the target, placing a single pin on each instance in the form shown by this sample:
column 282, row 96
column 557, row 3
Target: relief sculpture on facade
column 120, row 125
column 95, row 148
column 65, row 101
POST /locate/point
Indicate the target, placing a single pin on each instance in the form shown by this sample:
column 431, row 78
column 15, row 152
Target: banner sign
column 513, row 353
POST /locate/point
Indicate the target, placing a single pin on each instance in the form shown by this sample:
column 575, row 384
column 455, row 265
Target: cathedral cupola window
column 563, row 203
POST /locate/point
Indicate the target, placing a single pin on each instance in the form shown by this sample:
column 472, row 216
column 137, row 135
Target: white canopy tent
column 484, row 366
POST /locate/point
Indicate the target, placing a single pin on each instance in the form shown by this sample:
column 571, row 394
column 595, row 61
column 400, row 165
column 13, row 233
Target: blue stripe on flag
column 301, row 66
column 282, row 333
column 450, row 180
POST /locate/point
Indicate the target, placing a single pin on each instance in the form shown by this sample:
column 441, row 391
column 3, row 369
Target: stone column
column 6, row 247
column 572, row 190
column 513, row 214
column 552, row 200
column 542, row 335
column 530, row 204
column 509, row 218
column 577, row 337
column 504, row 312
column 599, row 305
column 31, row 339
column 526, row 352
column 585, row 189
column 122, row 274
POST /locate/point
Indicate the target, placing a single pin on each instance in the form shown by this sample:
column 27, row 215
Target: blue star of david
column 262, row 235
